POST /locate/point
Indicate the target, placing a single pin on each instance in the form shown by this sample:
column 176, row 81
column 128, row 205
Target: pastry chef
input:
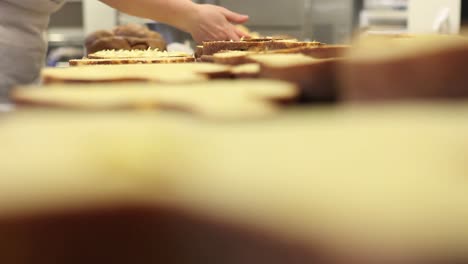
column 24, row 22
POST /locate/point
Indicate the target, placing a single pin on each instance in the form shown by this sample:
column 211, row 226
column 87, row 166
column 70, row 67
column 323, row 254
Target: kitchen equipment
column 434, row 16
column 66, row 35
column 330, row 21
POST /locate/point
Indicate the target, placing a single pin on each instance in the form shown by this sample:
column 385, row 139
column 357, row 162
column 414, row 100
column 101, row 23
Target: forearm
column 173, row 12
column 203, row 22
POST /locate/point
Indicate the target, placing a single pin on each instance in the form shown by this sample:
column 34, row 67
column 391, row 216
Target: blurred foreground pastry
column 367, row 185
column 406, row 68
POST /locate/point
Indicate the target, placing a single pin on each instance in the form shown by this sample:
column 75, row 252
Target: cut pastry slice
column 114, row 61
column 235, row 57
column 167, row 73
column 216, row 99
column 213, row 47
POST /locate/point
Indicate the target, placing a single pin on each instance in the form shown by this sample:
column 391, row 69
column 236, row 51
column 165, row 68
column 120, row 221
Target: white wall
column 422, row 14
column 97, row 16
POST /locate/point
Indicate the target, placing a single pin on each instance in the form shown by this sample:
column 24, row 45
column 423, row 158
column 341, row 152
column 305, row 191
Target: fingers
column 234, row 17
column 240, row 33
column 232, row 34
column 216, row 23
column 227, row 33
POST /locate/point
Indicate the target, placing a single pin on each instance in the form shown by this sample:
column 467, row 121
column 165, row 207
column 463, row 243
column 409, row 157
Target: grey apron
column 23, row 44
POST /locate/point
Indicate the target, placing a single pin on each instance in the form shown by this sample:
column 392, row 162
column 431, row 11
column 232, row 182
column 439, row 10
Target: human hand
column 210, row 22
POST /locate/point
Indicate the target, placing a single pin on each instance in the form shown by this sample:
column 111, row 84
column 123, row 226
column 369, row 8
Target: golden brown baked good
column 125, row 37
column 135, row 31
column 105, row 43
column 97, row 35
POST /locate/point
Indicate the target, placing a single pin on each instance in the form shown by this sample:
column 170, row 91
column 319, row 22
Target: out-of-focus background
column 329, row 21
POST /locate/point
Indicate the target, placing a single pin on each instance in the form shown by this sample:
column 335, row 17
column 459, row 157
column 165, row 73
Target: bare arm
column 204, row 22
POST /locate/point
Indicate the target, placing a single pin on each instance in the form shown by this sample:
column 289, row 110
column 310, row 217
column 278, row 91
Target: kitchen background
column 329, row 21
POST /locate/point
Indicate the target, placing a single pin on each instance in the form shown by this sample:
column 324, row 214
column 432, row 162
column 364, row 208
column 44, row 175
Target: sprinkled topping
column 149, row 53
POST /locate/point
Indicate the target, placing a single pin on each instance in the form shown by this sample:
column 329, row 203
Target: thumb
column 234, row 17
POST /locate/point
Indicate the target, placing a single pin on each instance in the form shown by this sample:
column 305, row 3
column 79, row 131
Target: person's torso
column 39, row 6
column 23, row 45
column 23, row 22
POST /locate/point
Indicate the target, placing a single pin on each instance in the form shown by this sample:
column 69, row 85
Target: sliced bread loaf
column 213, row 47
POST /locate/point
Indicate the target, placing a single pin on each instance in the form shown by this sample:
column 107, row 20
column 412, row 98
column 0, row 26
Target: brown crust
column 433, row 75
column 317, row 81
column 83, row 62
